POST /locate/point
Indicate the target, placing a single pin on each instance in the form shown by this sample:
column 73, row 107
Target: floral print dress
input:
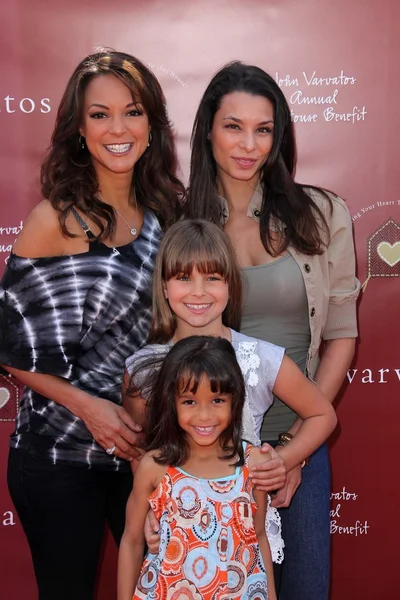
column 208, row 548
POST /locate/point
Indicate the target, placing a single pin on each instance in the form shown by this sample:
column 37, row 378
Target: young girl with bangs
column 197, row 290
column 196, row 477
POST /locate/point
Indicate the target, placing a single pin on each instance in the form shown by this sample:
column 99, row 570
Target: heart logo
column 389, row 253
column 4, row 396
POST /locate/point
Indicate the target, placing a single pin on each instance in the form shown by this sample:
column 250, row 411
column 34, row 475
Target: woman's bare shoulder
column 41, row 235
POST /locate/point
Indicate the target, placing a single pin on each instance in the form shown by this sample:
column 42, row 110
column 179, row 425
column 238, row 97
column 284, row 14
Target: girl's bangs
column 194, row 371
column 190, row 254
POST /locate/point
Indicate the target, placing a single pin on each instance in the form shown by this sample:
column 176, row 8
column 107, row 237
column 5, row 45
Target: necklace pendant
column 133, row 231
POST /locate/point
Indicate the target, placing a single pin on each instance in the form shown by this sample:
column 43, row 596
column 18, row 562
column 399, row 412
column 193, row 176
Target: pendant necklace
column 132, row 229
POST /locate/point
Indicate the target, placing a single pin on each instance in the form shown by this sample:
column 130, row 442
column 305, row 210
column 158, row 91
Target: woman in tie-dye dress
column 75, row 302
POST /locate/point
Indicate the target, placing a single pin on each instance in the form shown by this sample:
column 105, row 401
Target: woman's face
column 242, row 135
column 116, row 129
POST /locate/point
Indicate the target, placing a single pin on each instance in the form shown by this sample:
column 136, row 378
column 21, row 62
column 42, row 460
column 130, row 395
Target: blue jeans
column 306, row 532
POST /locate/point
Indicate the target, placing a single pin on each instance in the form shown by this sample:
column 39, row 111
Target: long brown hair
column 68, row 177
column 283, row 200
column 187, row 363
column 188, row 244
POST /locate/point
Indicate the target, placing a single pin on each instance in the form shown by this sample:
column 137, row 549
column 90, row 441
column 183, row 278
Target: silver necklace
column 132, row 229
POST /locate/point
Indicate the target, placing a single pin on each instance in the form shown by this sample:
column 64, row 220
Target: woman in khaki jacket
column 295, row 246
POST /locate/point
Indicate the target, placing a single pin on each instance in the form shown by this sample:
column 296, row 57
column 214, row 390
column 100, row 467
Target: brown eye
column 135, row 113
column 266, row 130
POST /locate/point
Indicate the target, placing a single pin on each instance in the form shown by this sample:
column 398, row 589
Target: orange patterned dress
column 208, row 548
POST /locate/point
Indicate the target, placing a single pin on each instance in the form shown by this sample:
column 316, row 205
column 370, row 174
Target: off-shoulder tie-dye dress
column 208, row 546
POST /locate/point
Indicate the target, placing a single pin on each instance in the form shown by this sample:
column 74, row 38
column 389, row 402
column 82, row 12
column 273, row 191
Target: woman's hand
column 151, row 532
column 110, row 425
column 284, row 495
column 271, row 474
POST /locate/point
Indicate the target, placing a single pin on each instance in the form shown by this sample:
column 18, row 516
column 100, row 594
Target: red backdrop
column 337, row 63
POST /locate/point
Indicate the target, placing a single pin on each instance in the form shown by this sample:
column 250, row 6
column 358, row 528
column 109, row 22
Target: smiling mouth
column 205, row 430
column 198, row 306
column 118, row 148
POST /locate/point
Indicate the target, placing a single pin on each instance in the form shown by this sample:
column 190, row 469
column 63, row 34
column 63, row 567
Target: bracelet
column 284, row 439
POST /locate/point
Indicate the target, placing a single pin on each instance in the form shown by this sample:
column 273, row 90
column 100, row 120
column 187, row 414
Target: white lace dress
column 260, row 363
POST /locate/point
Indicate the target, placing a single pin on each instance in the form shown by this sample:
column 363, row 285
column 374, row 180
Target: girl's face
column 198, row 301
column 116, row 129
column 203, row 415
column 242, row 136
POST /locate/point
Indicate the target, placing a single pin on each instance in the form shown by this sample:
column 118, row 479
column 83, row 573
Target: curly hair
column 68, row 177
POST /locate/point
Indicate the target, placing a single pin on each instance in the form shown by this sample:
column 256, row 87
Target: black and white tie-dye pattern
column 77, row 317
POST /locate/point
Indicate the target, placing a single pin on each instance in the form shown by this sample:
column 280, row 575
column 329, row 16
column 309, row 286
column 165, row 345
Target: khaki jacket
column 331, row 285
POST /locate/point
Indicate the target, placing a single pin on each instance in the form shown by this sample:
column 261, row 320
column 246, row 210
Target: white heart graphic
column 389, row 253
column 4, row 396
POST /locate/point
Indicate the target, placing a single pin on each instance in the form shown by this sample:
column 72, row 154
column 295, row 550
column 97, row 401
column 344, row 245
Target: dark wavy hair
column 188, row 244
column 188, row 361
column 283, row 200
column 68, row 177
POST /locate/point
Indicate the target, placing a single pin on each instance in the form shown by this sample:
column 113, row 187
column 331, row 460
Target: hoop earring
column 150, row 138
column 82, row 142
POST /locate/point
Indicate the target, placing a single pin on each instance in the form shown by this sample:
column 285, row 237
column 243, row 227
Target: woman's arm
column 335, row 362
column 132, row 545
column 108, row 423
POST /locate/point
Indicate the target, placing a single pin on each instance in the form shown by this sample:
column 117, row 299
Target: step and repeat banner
column 337, row 63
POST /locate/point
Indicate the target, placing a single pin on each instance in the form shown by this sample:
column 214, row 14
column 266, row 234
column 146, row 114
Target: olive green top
column 276, row 310
column 329, row 278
